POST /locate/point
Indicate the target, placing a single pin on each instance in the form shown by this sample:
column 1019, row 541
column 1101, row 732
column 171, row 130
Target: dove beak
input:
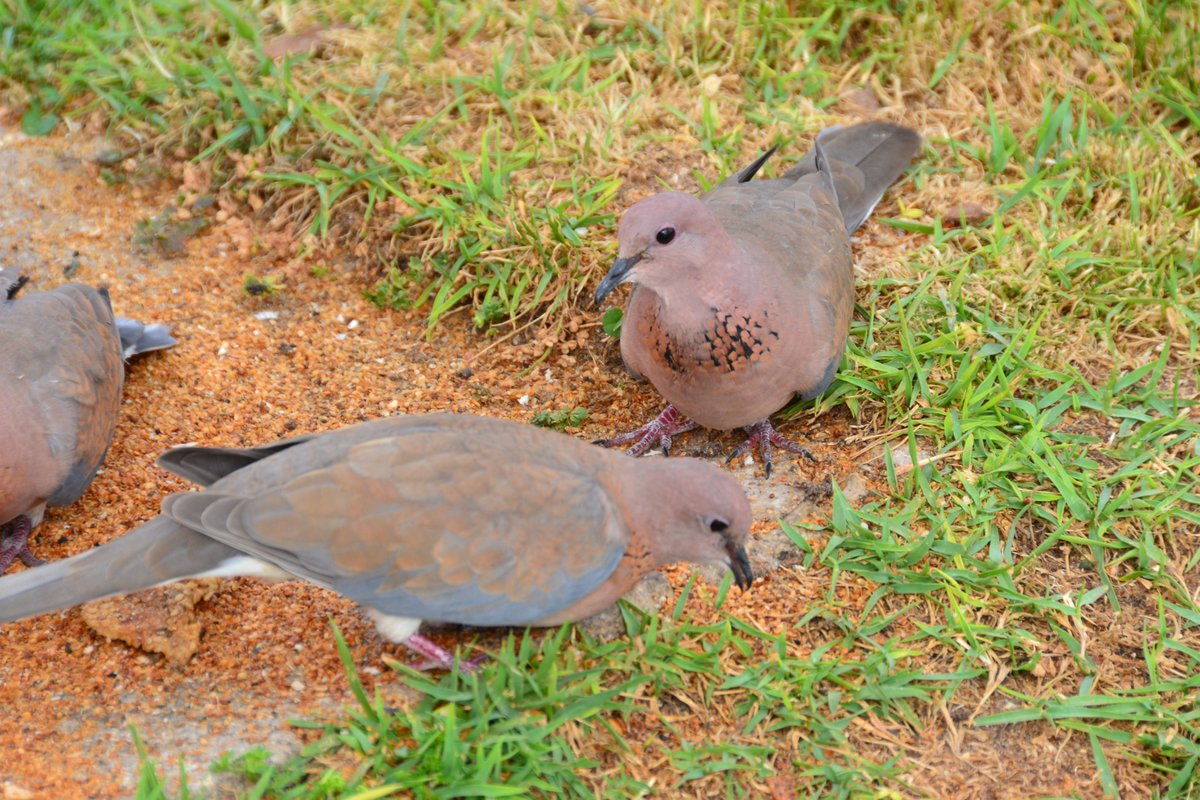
column 618, row 273
column 739, row 562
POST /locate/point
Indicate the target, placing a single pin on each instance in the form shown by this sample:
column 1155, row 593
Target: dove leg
column 762, row 436
column 14, row 543
column 659, row 430
column 437, row 657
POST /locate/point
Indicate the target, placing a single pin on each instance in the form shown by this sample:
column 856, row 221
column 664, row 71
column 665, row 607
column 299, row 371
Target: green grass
column 496, row 180
column 1040, row 569
column 514, row 728
column 560, row 419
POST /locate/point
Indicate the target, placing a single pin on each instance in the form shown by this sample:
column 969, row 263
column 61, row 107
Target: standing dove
column 443, row 517
column 61, row 372
column 743, row 298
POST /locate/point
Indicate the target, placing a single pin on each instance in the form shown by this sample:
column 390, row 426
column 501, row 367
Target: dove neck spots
column 724, row 339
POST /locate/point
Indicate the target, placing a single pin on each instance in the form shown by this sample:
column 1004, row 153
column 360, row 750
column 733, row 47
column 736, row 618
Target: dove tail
column 11, row 282
column 863, row 160
column 137, row 338
column 160, row 551
column 207, row 465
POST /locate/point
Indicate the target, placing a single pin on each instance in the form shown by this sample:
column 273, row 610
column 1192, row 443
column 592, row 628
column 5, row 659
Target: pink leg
column 762, row 437
column 14, row 543
column 659, row 430
column 437, row 657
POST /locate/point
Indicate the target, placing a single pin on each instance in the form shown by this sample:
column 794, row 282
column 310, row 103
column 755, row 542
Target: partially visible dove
column 442, row 517
column 62, row 367
column 743, row 297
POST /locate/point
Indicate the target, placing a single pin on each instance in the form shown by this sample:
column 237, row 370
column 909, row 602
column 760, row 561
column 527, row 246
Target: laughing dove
column 743, row 298
column 443, row 517
column 61, row 371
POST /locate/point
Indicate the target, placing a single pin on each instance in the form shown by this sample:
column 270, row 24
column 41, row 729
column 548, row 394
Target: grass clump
column 561, row 419
column 501, row 734
column 395, row 290
column 267, row 286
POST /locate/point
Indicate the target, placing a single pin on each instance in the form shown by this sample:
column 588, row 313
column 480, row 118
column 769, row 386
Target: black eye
column 665, row 235
column 718, row 526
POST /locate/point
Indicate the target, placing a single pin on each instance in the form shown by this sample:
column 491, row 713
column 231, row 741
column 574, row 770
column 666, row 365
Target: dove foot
column 763, row 437
column 659, row 430
column 437, row 657
column 14, row 543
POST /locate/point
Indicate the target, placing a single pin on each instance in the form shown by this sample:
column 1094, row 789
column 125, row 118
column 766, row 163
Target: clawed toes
column 471, row 665
column 659, row 431
column 763, row 437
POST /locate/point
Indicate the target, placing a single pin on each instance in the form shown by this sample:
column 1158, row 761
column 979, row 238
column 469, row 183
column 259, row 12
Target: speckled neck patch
column 732, row 340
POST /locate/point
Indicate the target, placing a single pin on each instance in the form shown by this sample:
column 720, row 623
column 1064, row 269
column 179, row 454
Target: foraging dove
column 443, row 517
column 743, row 298
column 61, row 372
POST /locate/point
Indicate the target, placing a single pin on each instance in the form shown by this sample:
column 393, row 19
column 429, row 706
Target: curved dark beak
column 618, row 273
column 739, row 562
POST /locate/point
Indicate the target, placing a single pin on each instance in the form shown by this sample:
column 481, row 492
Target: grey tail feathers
column 822, row 165
column 11, row 282
column 157, row 552
column 207, row 465
column 865, row 159
column 137, row 338
column 750, row 170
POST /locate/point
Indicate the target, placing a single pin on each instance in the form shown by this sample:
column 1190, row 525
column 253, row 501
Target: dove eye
column 665, row 235
column 718, row 526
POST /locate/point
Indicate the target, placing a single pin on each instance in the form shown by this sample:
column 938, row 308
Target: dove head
column 663, row 240
column 689, row 510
